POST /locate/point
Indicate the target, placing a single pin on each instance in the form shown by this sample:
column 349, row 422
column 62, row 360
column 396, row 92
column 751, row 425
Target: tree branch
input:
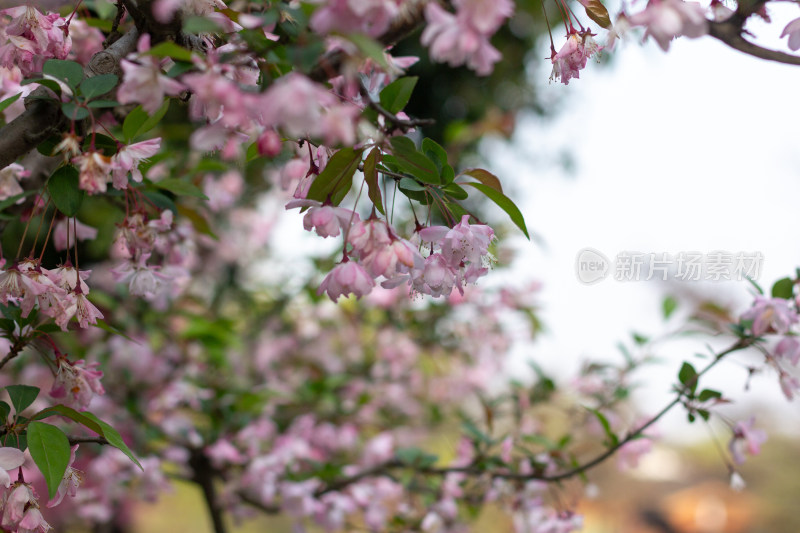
column 730, row 33
column 43, row 118
column 16, row 348
column 203, row 475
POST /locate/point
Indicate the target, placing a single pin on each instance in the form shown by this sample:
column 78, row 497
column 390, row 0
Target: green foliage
column 504, row 203
column 22, row 396
column 98, row 85
column 138, row 122
column 783, row 288
column 69, row 72
column 50, row 451
column 396, row 95
column 688, row 377
column 335, row 180
column 64, row 190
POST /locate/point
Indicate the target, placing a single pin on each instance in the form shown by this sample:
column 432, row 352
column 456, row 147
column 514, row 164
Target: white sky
column 692, row 150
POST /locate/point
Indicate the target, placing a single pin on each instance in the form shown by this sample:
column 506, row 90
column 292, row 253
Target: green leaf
column 98, row 85
column 50, row 451
column 371, row 177
column 485, row 177
column 201, row 25
column 413, row 161
column 8, row 101
column 69, row 72
column 613, row 440
column 180, row 187
column 73, row 112
column 370, row 48
column 64, row 189
column 102, row 143
column 456, row 191
column 668, row 306
column 22, row 396
column 337, row 177
column 5, row 411
column 70, row 413
column 503, row 203
column 688, row 376
column 415, row 457
column 105, row 326
column 199, row 222
column 103, row 103
column 170, row 49
column 408, row 184
column 138, row 122
column 783, row 288
column 395, row 96
column 709, row 394
column 114, row 439
column 161, row 200
column 50, row 84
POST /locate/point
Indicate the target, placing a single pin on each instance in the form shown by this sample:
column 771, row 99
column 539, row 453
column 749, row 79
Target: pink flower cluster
column 97, row 170
column 666, row 19
column 27, row 38
column 138, row 238
column 76, row 383
column 463, row 38
column 59, row 293
column 777, row 316
column 572, row 57
column 371, row 17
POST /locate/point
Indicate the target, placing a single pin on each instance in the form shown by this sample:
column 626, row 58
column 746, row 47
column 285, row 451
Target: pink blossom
column 371, row 17
column 788, row 348
column 346, row 278
column 325, row 220
column 10, row 80
column 384, row 261
column 15, row 504
column 435, row 277
column 69, row 483
column 10, row 458
column 143, row 280
column 572, row 57
column 33, row 522
column 667, row 19
column 142, row 81
column 31, row 37
column 746, row 438
column 94, row 171
column 456, row 39
column 792, row 30
column 77, row 383
column 269, row 143
column 9, row 181
column 128, row 158
column 66, row 229
column 789, row 385
column 770, row 315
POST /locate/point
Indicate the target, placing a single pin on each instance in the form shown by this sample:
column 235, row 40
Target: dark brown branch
column 203, row 474
column 73, row 440
column 16, row 348
column 43, row 118
column 730, row 33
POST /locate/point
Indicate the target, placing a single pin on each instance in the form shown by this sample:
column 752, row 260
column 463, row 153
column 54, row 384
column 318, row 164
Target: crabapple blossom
column 67, row 230
column 572, row 58
column 128, row 158
column 371, row 17
column 346, row 278
column 666, row 19
column 69, row 483
column 94, row 171
column 792, row 30
column 10, row 459
column 325, row 220
column 77, row 383
column 788, row 348
column 9, row 181
column 143, row 82
column 770, row 315
column 746, row 438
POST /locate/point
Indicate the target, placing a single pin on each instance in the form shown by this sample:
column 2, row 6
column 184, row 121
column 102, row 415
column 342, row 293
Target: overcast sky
column 692, row 150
